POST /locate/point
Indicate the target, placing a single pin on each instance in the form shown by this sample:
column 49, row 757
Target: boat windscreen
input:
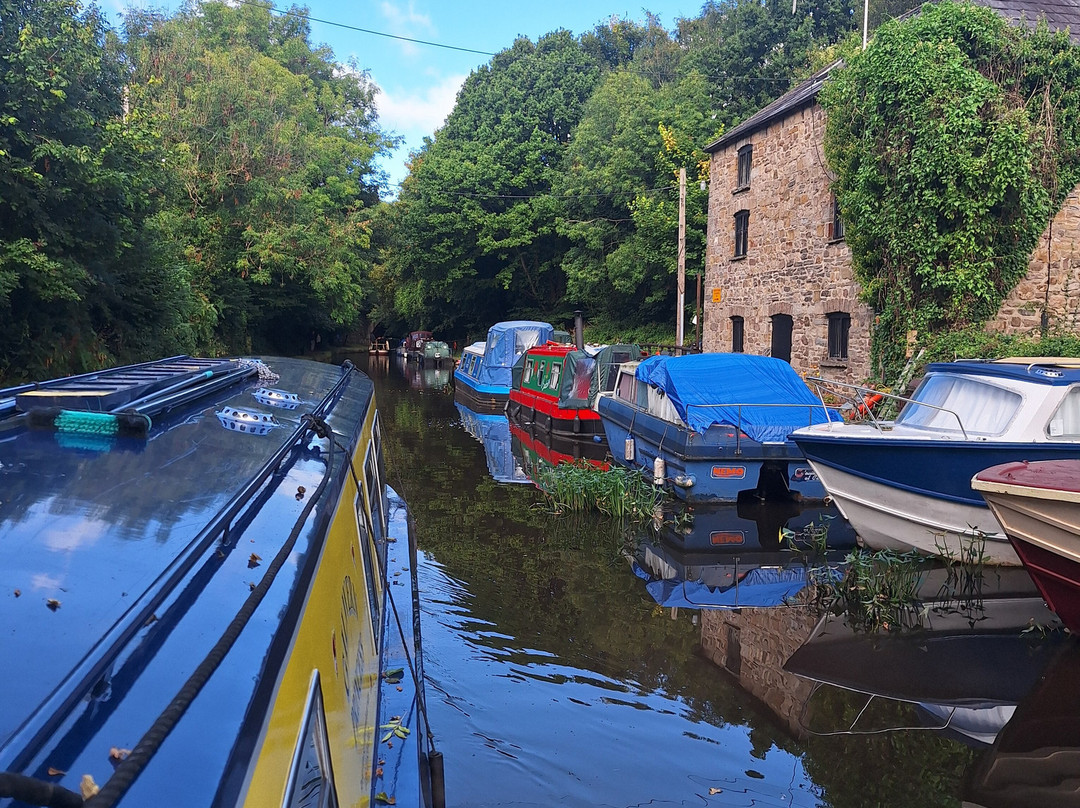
column 947, row 401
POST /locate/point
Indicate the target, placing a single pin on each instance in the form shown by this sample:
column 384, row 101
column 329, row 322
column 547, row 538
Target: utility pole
column 682, row 260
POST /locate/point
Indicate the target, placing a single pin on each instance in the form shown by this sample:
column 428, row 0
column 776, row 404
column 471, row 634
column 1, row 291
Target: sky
column 419, row 82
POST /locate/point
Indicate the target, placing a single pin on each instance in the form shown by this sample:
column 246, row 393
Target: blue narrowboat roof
column 91, row 527
column 507, row 341
column 706, row 389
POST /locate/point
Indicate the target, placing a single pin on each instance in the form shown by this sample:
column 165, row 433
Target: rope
column 140, row 756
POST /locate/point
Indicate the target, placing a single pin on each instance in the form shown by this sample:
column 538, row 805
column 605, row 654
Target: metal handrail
column 858, row 399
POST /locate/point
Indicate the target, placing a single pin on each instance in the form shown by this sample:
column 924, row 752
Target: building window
column 836, row 227
column 737, row 334
column 746, row 159
column 781, row 336
column 839, row 325
column 742, row 226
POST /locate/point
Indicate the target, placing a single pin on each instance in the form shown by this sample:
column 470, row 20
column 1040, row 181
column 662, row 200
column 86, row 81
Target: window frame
column 839, row 329
column 744, row 165
column 836, row 227
column 742, row 233
column 738, row 334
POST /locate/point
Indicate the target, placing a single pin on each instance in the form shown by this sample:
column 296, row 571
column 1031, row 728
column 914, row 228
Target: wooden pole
column 680, row 305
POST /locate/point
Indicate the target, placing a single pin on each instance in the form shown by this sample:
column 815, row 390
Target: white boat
column 906, row 483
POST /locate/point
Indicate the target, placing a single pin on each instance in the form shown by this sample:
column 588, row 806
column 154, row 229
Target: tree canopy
column 954, row 138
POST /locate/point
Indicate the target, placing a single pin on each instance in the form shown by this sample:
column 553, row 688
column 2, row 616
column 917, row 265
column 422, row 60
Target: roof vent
column 253, row 423
column 277, row 398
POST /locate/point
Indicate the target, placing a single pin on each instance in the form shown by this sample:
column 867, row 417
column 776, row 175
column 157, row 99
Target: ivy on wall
column 954, row 138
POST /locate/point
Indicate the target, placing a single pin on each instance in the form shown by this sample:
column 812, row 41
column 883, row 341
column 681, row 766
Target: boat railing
column 866, row 402
column 809, row 408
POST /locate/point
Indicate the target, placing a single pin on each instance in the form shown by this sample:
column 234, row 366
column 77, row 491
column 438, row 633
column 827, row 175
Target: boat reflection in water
column 733, row 556
column 992, row 670
column 493, row 430
column 425, row 376
column 536, row 451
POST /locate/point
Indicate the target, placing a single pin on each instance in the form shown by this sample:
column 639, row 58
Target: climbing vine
column 953, row 138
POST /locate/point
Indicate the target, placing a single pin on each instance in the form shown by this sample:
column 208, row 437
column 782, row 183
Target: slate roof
column 1059, row 15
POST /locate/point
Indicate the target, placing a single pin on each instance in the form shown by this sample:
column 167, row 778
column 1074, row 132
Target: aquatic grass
column 877, row 590
column 581, row 486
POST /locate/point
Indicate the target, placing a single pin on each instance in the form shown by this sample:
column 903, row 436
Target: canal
column 559, row 673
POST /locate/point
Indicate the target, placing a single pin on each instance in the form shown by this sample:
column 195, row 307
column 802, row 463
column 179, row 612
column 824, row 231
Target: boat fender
column 628, row 449
column 659, row 471
column 577, row 424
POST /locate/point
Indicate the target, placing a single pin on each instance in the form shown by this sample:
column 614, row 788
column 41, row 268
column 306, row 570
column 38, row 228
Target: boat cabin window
column 983, row 408
column 626, row 387
column 553, row 383
column 1065, row 422
column 311, row 780
column 528, row 372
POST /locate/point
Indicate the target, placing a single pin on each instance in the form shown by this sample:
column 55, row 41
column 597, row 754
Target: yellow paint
column 716, row 295
column 337, row 612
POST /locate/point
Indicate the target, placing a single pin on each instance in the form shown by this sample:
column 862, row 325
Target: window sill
column 840, row 240
column 740, row 189
column 738, row 257
column 834, row 364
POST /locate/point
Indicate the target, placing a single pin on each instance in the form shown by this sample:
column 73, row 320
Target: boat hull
column 904, row 493
column 546, row 416
column 482, row 398
column 1043, row 525
column 719, row 466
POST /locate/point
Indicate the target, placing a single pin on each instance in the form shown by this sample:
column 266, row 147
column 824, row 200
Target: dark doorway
column 781, row 336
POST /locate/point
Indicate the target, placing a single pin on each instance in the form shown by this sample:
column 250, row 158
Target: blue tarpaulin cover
column 760, row 587
column 704, row 388
column 505, row 343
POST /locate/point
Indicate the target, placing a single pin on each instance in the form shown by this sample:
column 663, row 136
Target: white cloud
column 405, row 20
column 415, row 113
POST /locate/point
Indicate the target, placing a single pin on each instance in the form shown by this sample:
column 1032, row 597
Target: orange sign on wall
column 715, row 295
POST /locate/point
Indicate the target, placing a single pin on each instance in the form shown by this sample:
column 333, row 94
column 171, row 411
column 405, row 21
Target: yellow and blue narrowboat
column 209, row 592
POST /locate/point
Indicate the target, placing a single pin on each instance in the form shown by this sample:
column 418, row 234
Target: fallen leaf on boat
column 378, row 772
column 88, row 787
column 713, row 791
column 381, row 797
column 118, row 754
column 251, row 586
column 54, row 772
column 18, row 592
column 400, row 688
column 254, row 559
column 394, row 676
column 53, row 604
column 151, row 619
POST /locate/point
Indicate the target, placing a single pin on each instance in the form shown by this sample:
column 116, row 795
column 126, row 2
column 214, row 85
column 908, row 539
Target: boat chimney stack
column 579, row 331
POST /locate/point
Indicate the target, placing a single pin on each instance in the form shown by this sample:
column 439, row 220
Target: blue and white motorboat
column 483, row 378
column 713, row 427
column 906, row 483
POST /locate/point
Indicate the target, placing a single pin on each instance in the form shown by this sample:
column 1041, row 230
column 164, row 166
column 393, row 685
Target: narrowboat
column 906, row 482
column 483, row 376
column 713, row 427
column 554, row 387
column 1038, row 506
column 210, row 592
column 413, row 343
column 435, row 352
column 380, row 346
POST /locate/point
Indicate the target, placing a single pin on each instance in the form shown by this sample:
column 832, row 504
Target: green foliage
column 83, row 280
column 273, row 146
column 954, row 138
column 976, row 343
column 619, row 492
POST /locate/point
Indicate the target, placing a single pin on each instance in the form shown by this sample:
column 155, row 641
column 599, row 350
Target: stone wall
column 791, row 266
column 753, row 645
column 1052, row 282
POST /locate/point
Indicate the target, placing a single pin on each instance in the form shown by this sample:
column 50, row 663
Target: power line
column 290, row 13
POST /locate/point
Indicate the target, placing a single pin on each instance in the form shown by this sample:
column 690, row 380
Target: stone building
column 778, row 276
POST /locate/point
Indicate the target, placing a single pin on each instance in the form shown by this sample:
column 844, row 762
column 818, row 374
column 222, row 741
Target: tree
column 82, row 282
column 274, row 146
column 954, row 137
column 476, row 237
